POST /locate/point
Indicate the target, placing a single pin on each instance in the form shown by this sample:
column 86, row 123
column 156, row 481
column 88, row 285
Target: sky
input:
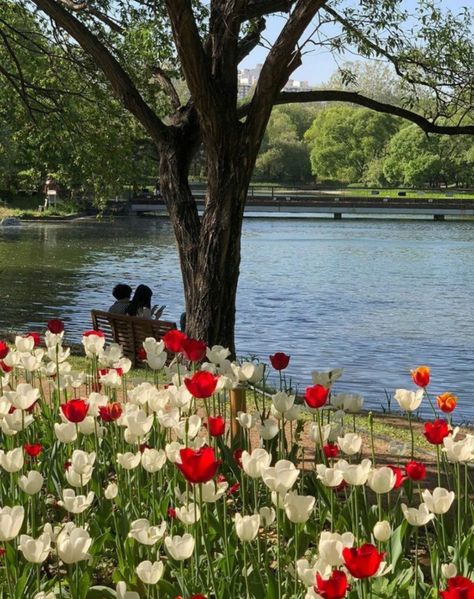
column 320, row 64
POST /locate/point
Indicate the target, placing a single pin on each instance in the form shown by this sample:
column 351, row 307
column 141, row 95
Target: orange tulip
column 421, row 376
column 447, row 402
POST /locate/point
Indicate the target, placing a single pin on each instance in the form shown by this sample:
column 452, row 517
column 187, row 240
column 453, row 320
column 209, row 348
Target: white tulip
column 180, row 397
column 24, row 344
column 150, row 573
column 129, row 460
column 76, row 504
column 449, row 570
column 326, row 379
column 152, row 346
column 153, row 459
column 319, row 437
column 409, row 401
column 35, row 550
column 111, row 491
column 13, row 460
column 440, row 501
column 77, row 480
column 65, row 432
column 93, row 344
column 355, row 474
column 382, row 531
column 31, row 483
column 189, row 514
column 82, row 461
column 122, row 593
column 142, row 531
column 253, row 463
column 212, row 491
column 331, row 546
column 180, row 547
column 246, row 420
column 138, row 423
column 350, row 443
column 282, row 401
column 330, row 477
column 298, row 508
column 11, row 520
column 269, row 429
column 281, row 477
column 381, row 480
column 44, row 595
column 247, row 527
column 417, row 516
column 23, row 397
column 459, row 451
column 72, row 544
column 172, row 451
column 217, row 354
column 188, row 426
column 267, row 516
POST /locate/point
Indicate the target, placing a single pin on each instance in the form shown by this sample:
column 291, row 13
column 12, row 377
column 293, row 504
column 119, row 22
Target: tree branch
column 355, row 98
column 121, row 82
column 251, row 39
column 260, row 8
column 165, row 83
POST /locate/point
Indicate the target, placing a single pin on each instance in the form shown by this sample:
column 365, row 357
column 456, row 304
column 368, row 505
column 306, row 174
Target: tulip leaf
column 101, row 592
column 397, row 544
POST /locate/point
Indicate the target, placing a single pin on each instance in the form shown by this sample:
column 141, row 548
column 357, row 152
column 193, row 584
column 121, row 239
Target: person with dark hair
column 141, row 303
column 122, row 294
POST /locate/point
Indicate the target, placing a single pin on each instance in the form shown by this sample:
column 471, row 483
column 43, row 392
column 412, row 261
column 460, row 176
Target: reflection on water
column 377, row 297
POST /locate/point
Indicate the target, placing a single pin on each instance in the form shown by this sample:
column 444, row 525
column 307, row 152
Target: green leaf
column 101, row 592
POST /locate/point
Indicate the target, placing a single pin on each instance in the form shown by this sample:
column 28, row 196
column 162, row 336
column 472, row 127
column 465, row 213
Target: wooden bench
column 129, row 331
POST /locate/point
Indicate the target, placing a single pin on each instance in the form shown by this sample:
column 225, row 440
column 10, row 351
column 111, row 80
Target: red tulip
column 171, row 513
column 316, row 396
column 362, row 562
column 93, row 332
column 4, row 367
column 237, row 455
column 202, row 384
column 334, row 587
column 233, row 489
column 399, row 476
column 331, row 450
column 55, row 326
column 447, row 402
column 458, row 587
column 173, row 340
column 198, row 466
column 193, row 350
column 143, row 446
column 111, row 411
column 33, row 450
column 216, row 426
column 279, row 360
column 2, row 551
column 436, row 431
column 36, row 338
column 416, row 470
column 75, row 410
column 4, row 350
column 141, row 354
column 421, row 376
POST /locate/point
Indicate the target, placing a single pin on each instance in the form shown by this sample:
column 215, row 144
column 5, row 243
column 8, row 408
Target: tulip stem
column 296, row 558
column 416, row 563
column 247, row 593
column 278, row 549
column 411, row 436
column 9, row 582
column 206, row 546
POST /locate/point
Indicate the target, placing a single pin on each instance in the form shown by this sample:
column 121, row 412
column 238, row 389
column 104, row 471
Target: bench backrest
column 129, row 331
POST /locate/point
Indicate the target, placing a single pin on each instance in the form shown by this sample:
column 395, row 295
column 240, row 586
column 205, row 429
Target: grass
column 26, row 206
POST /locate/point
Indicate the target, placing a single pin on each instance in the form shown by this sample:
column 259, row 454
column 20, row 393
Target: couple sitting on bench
column 139, row 305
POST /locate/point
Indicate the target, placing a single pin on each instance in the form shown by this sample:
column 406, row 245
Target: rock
column 10, row 221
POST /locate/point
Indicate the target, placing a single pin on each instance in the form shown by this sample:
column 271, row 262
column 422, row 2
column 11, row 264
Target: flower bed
column 119, row 488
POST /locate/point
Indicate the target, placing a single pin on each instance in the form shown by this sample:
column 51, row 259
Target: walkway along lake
column 376, row 297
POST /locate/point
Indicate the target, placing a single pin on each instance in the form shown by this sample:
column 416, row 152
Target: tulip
column 55, row 326
column 198, row 466
column 330, row 477
column 268, row 430
column 111, row 491
column 31, row 483
column 188, row 514
column 138, row 423
column 331, row 546
column 83, row 462
column 417, row 516
column 458, row 587
column 4, row 350
column 282, row 401
column 440, row 501
column 173, row 340
column 459, row 451
column 254, row 463
column 44, row 595
column 65, row 432
column 142, row 531
column 246, row 420
column 279, row 361
column 212, row 491
column 409, row 401
column 381, row 480
column 110, row 412
column 281, row 477
column 298, row 508
column 193, row 350
column 382, row 531
column 447, row 402
column 35, row 550
column 267, row 516
column 202, row 384
column 436, row 431
column 415, row 470
column 180, row 548
column 75, row 410
column 150, row 573
column 331, row 450
column 316, row 396
column 129, row 460
column 217, row 354
column 247, row 527
column 216, row 426
column 335, row 587
column 33, row 450
column 11, row 520
column 421, row 376
column 23, row 397
column 349, row 402
column 362, row 562
column 13, row 460
column 72, row 544
column 76, row 504
column 93, row 342
column 350, row 443
column 326, row 379
column 355, row 474
column 122, row 593
column 316, row 432
column 153, row 459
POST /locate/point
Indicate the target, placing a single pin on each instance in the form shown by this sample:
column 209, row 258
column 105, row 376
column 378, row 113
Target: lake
column 377, row 297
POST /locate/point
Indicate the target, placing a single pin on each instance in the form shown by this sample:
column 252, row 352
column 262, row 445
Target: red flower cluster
column 33, row 450
column 458, row 587
column 331, row 450
column 436, row 431
column 335, row 587
column 93, row 333
column 279, row 360
column 4, row 350
column 202, row 384
column 415, row 470
column 362, row 562
column 316, row 396
column 55, row 326
column 110, row 412
column 198, row 466
column 216, row 426
column 75, row 410
column 173, row 340
column 193, row 350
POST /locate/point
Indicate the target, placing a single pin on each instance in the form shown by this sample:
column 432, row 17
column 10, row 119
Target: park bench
column 129, row 331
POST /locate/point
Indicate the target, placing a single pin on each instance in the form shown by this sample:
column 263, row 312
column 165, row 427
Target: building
column 247, row 80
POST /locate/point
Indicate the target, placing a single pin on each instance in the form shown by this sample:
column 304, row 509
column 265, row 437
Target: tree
column 345, row 140
column 128, row 41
